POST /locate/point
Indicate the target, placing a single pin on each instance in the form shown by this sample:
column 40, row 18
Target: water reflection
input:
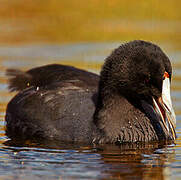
column 128, row 161
column 143, row 161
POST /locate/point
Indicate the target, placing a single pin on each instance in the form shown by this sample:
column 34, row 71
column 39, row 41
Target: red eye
column 146, row 81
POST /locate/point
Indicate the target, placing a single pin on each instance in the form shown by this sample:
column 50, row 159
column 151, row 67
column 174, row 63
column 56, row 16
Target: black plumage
column 72, row 105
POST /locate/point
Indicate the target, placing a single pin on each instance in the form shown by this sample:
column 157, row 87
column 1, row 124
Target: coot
column 129, row 102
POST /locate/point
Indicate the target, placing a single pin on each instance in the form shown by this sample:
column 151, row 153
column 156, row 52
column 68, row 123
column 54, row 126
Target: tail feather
column 18, row 80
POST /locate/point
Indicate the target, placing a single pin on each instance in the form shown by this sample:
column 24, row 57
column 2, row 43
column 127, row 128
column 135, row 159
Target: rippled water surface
column 51, row 160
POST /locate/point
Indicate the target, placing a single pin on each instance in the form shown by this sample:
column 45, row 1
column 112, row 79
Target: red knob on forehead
column 166, row 75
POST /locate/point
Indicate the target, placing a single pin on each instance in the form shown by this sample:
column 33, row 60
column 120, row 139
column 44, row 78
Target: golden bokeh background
column 62, row 21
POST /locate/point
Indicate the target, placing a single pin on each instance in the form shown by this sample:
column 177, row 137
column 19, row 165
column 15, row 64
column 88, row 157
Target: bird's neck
column 113, row 114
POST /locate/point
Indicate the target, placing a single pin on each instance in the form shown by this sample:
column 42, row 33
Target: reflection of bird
column 138, row 160
column 61, row 103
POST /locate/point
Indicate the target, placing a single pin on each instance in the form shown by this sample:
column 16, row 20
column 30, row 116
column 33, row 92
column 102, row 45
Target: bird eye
column 147, row 80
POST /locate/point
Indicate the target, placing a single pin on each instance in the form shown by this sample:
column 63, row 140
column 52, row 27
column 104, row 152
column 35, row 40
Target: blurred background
column 77, row 32
column 83, row 33
column 55, row 21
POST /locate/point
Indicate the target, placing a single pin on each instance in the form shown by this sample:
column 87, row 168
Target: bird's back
column 61, row 109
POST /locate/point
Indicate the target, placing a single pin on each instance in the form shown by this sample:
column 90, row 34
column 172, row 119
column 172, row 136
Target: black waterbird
column 129, row 102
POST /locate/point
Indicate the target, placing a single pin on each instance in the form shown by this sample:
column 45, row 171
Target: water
column 52, row 160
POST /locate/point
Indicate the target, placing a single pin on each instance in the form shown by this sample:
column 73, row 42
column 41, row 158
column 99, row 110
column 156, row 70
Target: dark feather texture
column 72, row 105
